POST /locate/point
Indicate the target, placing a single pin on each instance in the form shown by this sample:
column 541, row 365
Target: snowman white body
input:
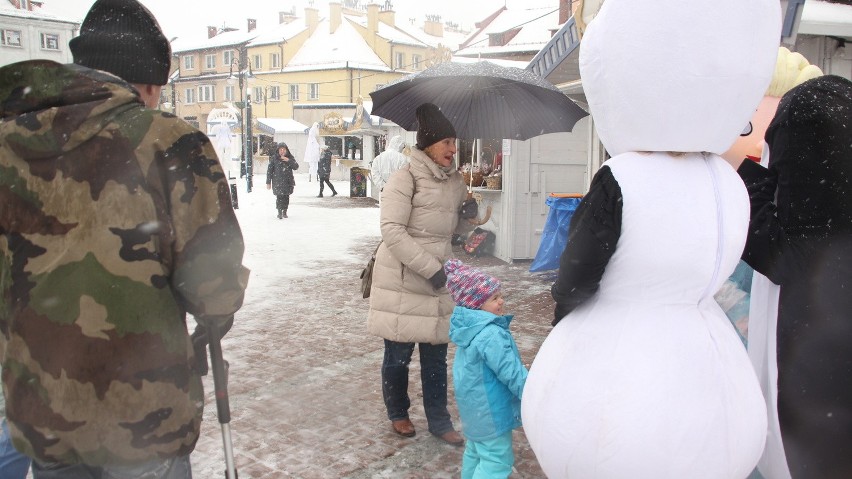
column 648, row 379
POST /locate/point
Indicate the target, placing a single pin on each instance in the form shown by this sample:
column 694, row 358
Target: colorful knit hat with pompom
column 469, row 286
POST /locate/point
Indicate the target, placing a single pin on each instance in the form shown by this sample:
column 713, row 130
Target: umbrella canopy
column 481, row 100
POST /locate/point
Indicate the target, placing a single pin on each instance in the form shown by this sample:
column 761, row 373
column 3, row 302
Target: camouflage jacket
column 115, row 222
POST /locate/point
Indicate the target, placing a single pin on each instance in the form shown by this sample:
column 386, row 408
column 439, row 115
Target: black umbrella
column 481, row 100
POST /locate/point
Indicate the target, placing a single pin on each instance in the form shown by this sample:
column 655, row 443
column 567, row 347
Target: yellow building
column 310, row 60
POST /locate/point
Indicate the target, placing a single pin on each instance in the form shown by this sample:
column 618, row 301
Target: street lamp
column 245, row 160
column 249, row 162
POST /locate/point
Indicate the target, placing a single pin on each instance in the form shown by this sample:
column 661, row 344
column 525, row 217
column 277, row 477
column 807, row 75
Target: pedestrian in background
column 325, row 170
column 488, row 375
column 388, row 162
column 280, row 179
column 116, row 223
column 409, row 303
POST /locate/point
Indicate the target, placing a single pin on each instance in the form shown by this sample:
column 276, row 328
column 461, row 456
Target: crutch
column 223, row 408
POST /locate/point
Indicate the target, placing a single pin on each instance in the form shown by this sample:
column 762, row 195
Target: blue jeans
column 433, row 377
column 492, row 459
column 174, row 468
column 13, row 463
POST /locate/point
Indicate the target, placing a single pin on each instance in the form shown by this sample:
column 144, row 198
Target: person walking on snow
column 488, row 375
column 325, row 171
column 280, row 179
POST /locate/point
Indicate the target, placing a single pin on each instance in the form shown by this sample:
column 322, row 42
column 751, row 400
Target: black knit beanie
column 123, row 38
column 432, row 126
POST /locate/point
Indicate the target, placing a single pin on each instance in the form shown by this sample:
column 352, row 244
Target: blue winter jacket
column 488, row 375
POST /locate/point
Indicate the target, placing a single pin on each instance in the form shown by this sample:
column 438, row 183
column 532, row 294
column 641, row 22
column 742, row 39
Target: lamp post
column 245, row 122
column 249, row 165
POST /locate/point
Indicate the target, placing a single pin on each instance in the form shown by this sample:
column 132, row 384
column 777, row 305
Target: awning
column 272, row 126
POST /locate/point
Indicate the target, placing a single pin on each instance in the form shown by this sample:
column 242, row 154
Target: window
column 227, row 57
column 294, row 92
column 229, row 93
column 12, row 38
column 50, row 41
column 275, row 93
column 189, row 95
column 313, row 91
column 210, row 61
column 258, row 94
column 189, row 62
column 399, row 60
column 206, row 93
column 274, row 60
column 257, row 62
column 415, row 62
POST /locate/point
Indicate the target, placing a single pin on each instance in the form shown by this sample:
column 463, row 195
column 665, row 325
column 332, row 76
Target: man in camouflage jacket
column 115, row 223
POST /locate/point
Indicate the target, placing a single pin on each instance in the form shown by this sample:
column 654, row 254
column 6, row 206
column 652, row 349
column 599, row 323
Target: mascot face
column 681, row 76
column 750, row 143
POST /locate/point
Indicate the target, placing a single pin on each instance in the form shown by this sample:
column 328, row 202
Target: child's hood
column 466, row 323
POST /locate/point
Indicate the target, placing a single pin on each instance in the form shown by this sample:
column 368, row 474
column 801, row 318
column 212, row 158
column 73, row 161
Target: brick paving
column 306, row 395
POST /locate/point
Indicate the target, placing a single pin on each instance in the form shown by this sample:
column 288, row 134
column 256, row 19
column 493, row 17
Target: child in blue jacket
column 488, row 375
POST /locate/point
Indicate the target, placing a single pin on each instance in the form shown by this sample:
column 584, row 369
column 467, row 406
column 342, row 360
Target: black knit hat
column 432, row 126
column 123, row 38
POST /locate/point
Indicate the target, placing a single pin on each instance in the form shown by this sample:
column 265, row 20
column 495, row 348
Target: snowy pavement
column 305, row 388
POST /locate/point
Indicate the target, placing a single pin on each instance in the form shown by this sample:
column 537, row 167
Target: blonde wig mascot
column 643, row 376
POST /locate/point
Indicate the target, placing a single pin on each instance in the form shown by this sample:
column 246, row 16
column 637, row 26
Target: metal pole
column 223, row 409
column 249, row 162
column 242, row 128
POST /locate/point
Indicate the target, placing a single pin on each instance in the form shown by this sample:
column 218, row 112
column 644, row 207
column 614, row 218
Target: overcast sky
column 190, row 18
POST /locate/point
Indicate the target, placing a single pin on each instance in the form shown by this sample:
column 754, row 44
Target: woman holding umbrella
column 409, row 303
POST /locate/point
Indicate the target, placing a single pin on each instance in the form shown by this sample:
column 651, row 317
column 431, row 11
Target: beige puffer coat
column 419, row 214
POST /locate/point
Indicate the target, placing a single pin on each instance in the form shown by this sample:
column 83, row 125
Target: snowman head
column 677, row 75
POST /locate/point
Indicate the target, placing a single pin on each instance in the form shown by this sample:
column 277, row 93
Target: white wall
column 31, row 30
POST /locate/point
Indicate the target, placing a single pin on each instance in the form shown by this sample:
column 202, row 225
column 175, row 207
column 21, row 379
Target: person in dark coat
column 324, row 171
column 279, row 178
column 800, row 237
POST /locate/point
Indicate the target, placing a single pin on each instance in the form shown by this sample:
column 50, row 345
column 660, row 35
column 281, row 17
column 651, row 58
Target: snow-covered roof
column 450, row 39
column 535, row 26
column 8, row 10
column 282, row 31
column 343, row 48
column 389, row 33
column 224, row 39
column 825, row 18
column 281, row 125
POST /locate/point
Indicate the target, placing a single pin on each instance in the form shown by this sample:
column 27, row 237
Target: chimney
column 285, row 17
column 212, row 31
column 373, row 17
column 388, row 17
column 565, row 10
column 311, row 19
column 433, row 26
column 252, row 24
column 335, row 14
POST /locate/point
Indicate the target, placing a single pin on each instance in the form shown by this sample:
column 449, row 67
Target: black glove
column 559, row 312
column 439, row 279
column 200, row 338
column 469, row 209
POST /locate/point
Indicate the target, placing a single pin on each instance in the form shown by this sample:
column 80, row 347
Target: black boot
column 319, row 195
column 333, row 192
column 279, row 214
column 285, row 213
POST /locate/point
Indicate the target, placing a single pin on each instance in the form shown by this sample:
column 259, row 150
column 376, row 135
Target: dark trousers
column 324, row 181
column 282, row 202
column 433, row 377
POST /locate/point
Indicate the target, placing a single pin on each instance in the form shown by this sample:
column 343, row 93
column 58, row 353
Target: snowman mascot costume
column 643, row 376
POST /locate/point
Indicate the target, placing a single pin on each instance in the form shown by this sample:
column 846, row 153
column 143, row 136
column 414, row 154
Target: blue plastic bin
column 554, row 237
